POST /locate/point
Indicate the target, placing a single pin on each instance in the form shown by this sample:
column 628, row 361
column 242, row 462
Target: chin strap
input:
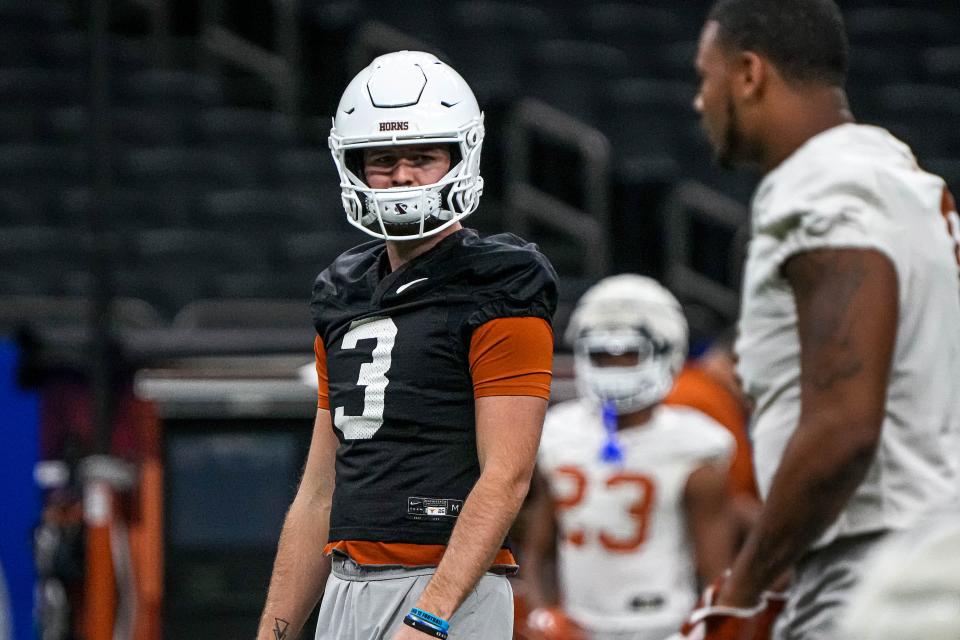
column 611, row 451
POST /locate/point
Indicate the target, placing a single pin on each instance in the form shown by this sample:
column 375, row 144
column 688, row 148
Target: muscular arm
column 710, row 521
column 847, row 308
column 508, row 433
column 300, row 570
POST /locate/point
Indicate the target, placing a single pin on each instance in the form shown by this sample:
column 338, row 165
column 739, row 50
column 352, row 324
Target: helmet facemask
column 633, row 322
column 402, row 99
column 625, row 366
column 400, row 213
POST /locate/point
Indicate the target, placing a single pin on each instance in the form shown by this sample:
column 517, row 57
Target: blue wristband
column 424, row 627
column 429, row 618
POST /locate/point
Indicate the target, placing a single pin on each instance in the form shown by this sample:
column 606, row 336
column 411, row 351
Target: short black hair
column 805, row 39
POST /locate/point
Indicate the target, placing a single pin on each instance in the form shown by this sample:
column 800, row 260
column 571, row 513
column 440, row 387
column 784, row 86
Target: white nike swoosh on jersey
column 403, row 287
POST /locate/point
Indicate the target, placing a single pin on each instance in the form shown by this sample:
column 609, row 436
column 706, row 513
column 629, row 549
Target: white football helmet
column 404, row 98
column 628, row 314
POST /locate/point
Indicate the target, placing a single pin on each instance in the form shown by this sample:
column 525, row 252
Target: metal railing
column 376, row 38
column 588, row 228
column 278, row 69
column 689, row 202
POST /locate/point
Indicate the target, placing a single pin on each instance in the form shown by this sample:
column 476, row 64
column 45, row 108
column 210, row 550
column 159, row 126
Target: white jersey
column 624, row 558
column 857, row 186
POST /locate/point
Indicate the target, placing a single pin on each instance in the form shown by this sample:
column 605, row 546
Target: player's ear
column 750, row 73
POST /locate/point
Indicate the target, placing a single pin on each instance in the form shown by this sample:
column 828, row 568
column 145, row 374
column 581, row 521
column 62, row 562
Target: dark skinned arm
column 539, row 546
column 710, row 520
column 847, row 307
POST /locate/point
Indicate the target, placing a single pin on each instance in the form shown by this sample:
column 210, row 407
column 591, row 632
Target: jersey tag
column 433, row 509
column 648, row 602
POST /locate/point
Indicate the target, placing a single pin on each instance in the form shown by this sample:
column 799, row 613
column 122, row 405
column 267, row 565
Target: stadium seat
column 262, row 212
column 41, row 166
column 269, row 284
column 641, row 184
column 646, row 116
column 64, row 125
column 424, row 19
column 571, row 74
column 129, row 210
column 152, row 126
column 188, row 250
column 307, row 254
column 570, row 290
column 44, row 250
column 871, row 65
column 167, row 292
column 489, row 41
column 332, row 17
column 942, row 65
column 637, row 29
column 247, row 90
column 925, row 141
column 232, row 313
column 19, row 125
column 26, row 15
column 169, row 88
column 20, row 207
column 64, row 50
column 174, row 167
column 675, row 61
column 906, row 26
column 26, row 283
column 930, row 110
column 17, row 48
column 171, row 267
column 303, row 168
column 73, row 312
column 245, row 127
column 126, row 127
column 36, row 87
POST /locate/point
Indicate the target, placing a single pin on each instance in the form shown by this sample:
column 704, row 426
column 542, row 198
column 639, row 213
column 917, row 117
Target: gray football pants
column 369, row 604
column 822, row 585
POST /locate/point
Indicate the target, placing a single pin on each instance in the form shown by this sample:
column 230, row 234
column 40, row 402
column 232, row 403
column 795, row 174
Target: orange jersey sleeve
column 695, row 389
column 512, row 357
column 323, row 386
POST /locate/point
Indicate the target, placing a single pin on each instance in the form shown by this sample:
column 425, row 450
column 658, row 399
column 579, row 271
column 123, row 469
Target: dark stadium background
column 167, row 197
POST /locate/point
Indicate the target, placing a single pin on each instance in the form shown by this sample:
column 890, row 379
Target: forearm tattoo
column 828, row 283
column 280, row 627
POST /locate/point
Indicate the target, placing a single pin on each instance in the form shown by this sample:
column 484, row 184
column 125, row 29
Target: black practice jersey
column 400, row 390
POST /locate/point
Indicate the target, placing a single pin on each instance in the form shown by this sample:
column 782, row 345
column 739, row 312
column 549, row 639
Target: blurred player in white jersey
column 849, row 338
column 635, row 491
column 914, row 586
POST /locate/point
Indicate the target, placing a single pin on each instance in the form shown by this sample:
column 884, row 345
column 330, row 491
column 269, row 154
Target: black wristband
column 410, row 621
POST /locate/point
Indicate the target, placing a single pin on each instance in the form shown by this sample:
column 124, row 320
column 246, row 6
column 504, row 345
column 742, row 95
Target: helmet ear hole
column 473, row 137
column 455, row 155
column 353, row 158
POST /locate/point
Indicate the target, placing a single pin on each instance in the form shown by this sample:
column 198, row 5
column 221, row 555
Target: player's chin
column 726, row 155
column 724, row 159
column 719, row 146
column 409, row 230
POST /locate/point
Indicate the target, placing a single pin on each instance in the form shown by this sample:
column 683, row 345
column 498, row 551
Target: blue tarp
column 19, row 496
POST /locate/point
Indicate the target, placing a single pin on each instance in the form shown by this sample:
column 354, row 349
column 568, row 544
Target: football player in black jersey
column 434, row 352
